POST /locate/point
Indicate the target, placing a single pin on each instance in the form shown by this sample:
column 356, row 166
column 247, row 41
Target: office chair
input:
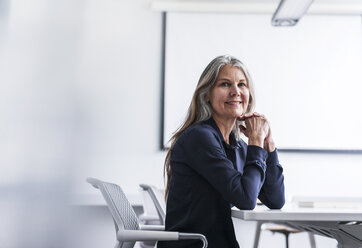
column 128, row 230
column 283, row 229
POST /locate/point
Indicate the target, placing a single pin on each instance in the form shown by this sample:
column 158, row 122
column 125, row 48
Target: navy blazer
column 208, row 176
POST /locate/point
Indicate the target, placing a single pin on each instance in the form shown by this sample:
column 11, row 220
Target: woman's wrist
column 269, row 146
column 256, row 142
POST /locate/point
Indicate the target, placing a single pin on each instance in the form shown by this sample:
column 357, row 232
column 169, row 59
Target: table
column 342, row 224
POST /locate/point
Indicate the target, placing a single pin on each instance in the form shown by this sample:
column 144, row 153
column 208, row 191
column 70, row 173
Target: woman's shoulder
column 202, row 131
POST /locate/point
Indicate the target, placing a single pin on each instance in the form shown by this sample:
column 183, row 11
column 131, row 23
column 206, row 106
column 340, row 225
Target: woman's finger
column 258, row 115
column 245, row 116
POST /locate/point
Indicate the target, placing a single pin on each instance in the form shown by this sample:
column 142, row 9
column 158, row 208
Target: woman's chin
column 237, row 114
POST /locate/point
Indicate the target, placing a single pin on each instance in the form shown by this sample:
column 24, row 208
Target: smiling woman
column 209, row 168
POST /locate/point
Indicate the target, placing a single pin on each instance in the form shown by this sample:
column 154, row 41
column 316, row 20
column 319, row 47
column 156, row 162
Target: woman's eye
column 242, row 85
column 225, row 84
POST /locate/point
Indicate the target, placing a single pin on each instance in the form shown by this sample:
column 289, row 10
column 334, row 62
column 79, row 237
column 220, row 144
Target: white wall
column 80, row 92
column 79, row 96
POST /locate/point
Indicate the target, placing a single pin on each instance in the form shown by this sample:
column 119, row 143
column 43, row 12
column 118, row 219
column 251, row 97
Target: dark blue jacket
column 208, row 176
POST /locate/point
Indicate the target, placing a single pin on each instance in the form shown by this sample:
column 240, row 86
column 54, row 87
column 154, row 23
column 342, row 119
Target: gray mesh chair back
column 121, row 210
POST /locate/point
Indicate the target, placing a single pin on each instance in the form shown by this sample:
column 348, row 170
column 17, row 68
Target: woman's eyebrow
column 227, row 79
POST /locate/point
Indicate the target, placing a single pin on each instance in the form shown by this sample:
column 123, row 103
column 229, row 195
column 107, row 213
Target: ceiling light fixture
column 289, row 12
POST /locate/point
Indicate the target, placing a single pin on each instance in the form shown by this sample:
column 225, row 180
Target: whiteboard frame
column 163, row 136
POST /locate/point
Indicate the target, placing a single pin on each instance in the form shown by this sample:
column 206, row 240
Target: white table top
column 341, row 223
column 290, row 213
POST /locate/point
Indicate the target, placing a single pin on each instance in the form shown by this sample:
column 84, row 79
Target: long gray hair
column 200, row 110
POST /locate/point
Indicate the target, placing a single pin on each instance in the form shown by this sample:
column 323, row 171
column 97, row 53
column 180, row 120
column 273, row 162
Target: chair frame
column 151, row 190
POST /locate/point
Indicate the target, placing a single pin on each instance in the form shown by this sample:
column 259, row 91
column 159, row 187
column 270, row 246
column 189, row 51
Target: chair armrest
column 149, row 217
column 140, row 235
column 152, row 227
column 194, row 236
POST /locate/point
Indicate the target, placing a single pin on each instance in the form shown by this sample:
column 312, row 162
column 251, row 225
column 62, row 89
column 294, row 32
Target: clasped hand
column 258, row 131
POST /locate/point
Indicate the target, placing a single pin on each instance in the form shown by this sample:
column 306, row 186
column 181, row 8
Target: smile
column 233, row 103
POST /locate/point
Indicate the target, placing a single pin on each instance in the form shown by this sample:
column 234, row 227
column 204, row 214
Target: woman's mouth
column 233, row 103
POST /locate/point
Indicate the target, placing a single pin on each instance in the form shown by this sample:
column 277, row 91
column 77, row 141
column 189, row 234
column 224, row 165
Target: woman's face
column 229, row 96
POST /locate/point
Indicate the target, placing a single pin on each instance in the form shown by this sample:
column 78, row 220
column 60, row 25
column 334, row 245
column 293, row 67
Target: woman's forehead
column 231, row 71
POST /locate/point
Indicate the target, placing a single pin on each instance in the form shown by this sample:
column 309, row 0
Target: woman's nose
column 234, row 90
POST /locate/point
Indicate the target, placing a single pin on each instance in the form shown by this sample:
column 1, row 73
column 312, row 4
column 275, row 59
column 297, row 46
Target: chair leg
column 311, row 240
column 117, row 245
column 257, row 234
column 287, row 240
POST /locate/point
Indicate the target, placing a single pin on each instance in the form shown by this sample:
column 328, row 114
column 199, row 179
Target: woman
column 210, row 169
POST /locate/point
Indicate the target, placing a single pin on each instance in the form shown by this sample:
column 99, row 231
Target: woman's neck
column 225, row 126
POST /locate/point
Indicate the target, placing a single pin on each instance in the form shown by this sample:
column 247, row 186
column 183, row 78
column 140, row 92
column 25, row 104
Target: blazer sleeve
column 272, row 192
column 204, row 154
